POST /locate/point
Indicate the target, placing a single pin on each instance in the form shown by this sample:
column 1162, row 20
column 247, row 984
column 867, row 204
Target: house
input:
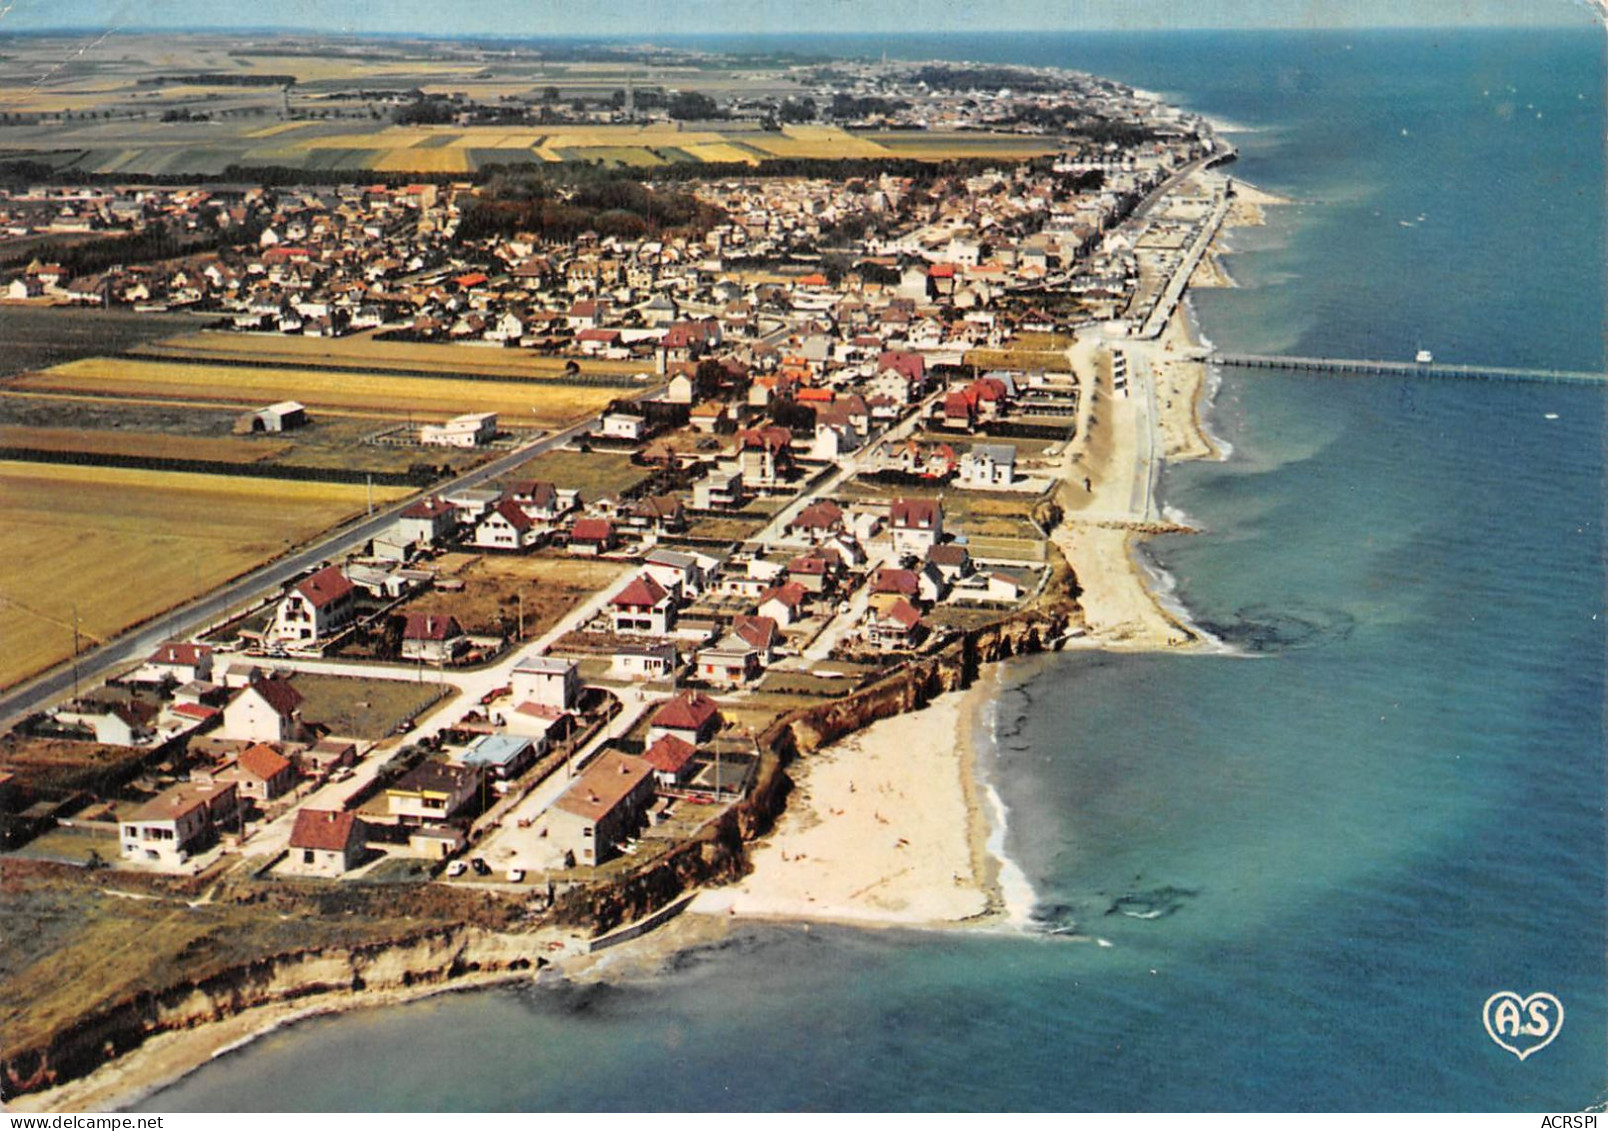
column 742, row 655
column 817, row 521
column 660, row 514
column 169, row 827
column 815, row 570
column 507, row 527
column 988, row 465
column 325, row 843
column 183, row 662
column 316, row 607
column 784, row 604
column 643, row 662
column 432, row 791
column 432, row 639
column 895, row 626
column 326, row 756
column 691, row 716
column 643, row 607
column 671, row 759
column 266, row 710
column 502, row 757
column 765, row 455
column 721, row 489
column 951, row 560
column 592, row 536
column 991, row 587
column 428, row 522
column 624, row 426
column 128, row 723
column 259, row 772
column 680, row 573
column 546, row 680
column 602, row 808
column 542, row 501
column 918, row 525
column 471, row 430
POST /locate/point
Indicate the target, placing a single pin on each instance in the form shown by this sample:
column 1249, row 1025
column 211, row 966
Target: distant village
column 831, row 483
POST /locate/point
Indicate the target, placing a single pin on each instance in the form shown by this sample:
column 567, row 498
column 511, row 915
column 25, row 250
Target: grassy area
column 60, row 764
column 364, row 708
column 113, row 547
column 154, row 445
column 366, row 352
column 1019, row 357
column 538, row 404
column 596, row 475
column 37, row 336
column 493, row 585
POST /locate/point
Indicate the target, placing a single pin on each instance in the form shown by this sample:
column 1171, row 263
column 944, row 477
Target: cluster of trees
column 689, row 105
column 940, row 77
column 152, row 244
column 186, row 116
column 617, row 207
column 853, row 106
column 221, row 78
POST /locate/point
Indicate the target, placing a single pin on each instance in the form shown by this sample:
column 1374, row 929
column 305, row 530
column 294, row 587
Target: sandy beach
column 885, row 827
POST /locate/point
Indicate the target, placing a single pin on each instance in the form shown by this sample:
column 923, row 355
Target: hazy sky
column 662, row 17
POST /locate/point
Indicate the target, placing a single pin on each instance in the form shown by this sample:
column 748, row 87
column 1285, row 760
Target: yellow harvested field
column 155, row 445
column 815, row 141
column 365, row 352
column 314, row 68
column 720, row 153
column 537, row 404
column 280, row 128
column 121, row 546
column 441, row 160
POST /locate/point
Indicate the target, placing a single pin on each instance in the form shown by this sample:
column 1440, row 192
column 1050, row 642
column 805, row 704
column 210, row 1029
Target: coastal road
column 210, row 608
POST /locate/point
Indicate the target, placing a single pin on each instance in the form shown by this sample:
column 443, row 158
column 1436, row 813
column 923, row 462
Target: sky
column 517, row 18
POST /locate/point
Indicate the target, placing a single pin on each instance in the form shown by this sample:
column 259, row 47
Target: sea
column 1286, row 876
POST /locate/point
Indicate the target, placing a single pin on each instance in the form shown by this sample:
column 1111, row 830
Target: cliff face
column 435, row 957
column 439, row 955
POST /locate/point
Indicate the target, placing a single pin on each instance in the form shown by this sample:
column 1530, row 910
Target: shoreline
column 1126, row 609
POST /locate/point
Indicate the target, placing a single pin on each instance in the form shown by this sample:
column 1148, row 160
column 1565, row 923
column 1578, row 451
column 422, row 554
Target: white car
column 516, row 875
column 457, row 868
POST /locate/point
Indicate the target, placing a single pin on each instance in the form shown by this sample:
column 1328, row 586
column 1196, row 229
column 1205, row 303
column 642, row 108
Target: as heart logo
column 1523, row 1025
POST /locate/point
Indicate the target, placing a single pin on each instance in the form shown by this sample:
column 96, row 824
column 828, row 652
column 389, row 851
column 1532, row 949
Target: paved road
column 209, row 609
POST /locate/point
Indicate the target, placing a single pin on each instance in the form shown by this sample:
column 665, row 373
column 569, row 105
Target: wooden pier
column 1357, row 367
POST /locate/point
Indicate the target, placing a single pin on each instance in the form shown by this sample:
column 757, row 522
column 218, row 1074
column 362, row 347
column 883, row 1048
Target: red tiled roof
column 515, row 517
column 280, row 695
column 818, row 516
column 895, row 581
column 263, row 761
column 591, row 530
column 760, row 632
column 643, row 592
column 325, row 587
column 687, row 711
column 424, row 626
column 921, row 514
column 325, row 829
column 178, row 653
column 903, row 612
column 791, row 594
column 428, row 508
column 670, row 754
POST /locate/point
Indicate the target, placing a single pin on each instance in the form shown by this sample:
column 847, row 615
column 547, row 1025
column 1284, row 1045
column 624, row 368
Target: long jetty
column 1361, row 367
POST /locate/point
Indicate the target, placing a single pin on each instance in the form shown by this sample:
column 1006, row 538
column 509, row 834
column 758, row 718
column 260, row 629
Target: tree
column 690, row 104
column 550, row 94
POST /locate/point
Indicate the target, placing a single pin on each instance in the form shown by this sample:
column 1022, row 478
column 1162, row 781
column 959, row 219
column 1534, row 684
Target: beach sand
column 885, row 827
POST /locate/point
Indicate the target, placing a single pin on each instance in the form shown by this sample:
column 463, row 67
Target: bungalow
column 817, row 521
column 315, row 607
column 592, row 537
column 432, row 791
column 671, row 759
column 643, row 607
column 170, row 826
column 432, row 639
column 918, row 525
column 428, row 522
column 951, row 560
column 992, row 587
column 183, row 662
column 546, row 680
column 540, row 723
column 266, row 710
column 624, row 426
column 128, row 723
column 784, row 604
column 691, row 716
column 815, row 570
column 502, row 757
column 325, row 843
column 507, row 527
column 643, row 662
column 602, row 808
column 894, row 627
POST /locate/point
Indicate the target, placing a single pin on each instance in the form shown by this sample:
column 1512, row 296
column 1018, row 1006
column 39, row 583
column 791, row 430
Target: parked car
column 457, row 868
column 516, row 875
column 480, row 866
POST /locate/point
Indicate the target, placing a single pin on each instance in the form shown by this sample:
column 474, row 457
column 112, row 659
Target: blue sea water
column 1387, row 807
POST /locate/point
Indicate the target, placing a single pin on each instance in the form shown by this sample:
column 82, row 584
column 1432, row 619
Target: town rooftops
column 325, row 829
column 818, row 516
column 607, row 781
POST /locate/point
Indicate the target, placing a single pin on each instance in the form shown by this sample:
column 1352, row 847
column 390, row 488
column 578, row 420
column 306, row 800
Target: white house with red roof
column 325, row 842
column 784, row 604
column 432, row 638
column 643, row 608
column 316, row 607
column 428, row 522
column 691, row 716
column 672, row 761
column 173, row 824
column 507, row 527
column 918, row 526
column 267, row 710
column 592, row 536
